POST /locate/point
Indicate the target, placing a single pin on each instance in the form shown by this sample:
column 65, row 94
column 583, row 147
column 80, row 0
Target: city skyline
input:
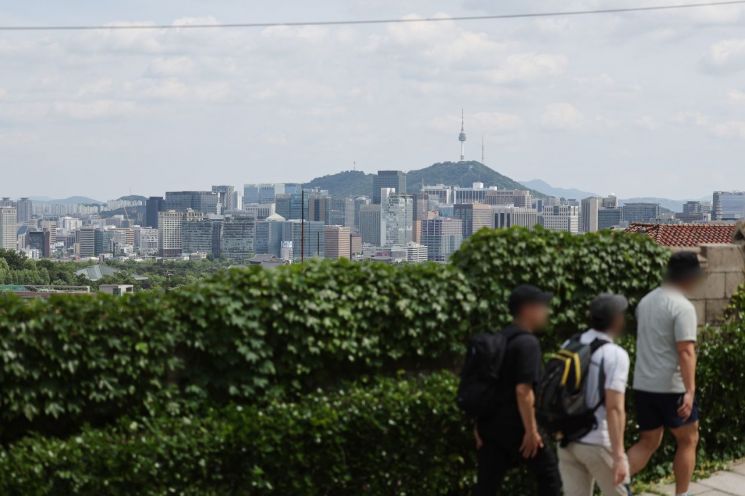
column 142, row 112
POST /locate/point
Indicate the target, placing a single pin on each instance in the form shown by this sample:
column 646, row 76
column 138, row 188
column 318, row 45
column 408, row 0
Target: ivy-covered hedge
column 249, row 335
column 399, row 435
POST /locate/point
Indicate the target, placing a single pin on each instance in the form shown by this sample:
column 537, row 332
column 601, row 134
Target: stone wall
column 725, row 272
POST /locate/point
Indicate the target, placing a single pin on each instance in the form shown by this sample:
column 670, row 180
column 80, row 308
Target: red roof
column 685, row 234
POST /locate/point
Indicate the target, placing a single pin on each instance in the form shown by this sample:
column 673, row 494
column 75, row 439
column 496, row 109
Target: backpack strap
column 595, row 346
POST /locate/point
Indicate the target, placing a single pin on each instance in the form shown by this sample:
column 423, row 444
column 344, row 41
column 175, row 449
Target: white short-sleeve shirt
column 614, row 361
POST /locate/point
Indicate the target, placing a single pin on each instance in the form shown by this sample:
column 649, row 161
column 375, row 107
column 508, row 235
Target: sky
column 640, row 104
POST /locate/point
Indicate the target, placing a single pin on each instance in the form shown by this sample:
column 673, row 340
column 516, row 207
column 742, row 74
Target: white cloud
column 736, row 96
column 726, row 55
column 529, row 67
column 485, row 122
column 561, row 116
column 96, row 109
column 171, row 66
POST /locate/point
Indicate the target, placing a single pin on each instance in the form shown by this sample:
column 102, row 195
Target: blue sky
column 634, row 104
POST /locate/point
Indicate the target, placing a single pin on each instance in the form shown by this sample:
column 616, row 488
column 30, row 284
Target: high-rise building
column 355, row 244
column 225, row 197
column 89, row 241
column 359, row 202
column 475, row 194
column 337, row 242
column 153, row 206
column 416, row 253
column 146, row 241
column 238, row 238
column 169, row 233
column 640, row 212
column 319, row 207
column 198, row 236
column 589, row 214
column 370, row 224
column 506, row 216
column 440, row 193
column 8, row 228
column 342, row 212
column 396, row 218
column 609, row 217
column 474, row 216
column 561, row 218
column 508, row 197
column 205, row 202
column 39, row 240
column 269, row 235
column 442, row 236
column 251, row 193
column 610, row 201
column 388, row 179
column 728, row 205
column 24, row 210
column 308, row 239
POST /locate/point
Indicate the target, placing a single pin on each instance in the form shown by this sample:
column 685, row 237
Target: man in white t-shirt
column 600, row 457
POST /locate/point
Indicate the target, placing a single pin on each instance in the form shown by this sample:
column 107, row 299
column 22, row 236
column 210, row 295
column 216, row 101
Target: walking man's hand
column 620, row 469
column 477, row 437
column 686, row 406
column 532, row 442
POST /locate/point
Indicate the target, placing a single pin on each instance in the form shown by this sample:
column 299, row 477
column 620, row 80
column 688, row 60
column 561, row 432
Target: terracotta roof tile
column 685, row 234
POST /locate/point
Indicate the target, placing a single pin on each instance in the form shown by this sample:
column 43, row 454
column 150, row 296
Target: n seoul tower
column 462, row 138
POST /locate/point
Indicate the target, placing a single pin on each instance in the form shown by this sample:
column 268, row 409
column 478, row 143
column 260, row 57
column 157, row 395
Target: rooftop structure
column 685, row 234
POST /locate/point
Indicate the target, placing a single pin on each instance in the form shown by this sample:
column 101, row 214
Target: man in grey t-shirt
column 665, row 371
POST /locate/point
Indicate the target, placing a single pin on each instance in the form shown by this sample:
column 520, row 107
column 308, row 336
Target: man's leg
column 599, row 462
column 685, row 455
column 492, row 465
column 642, row 451
column 577, row 480
column 545, row 468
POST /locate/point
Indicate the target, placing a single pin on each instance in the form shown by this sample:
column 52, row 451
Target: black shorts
column 655, row 410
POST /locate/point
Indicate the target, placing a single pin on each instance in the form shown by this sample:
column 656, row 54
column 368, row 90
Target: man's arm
column 532, row 441
column 616, row 413
column 687, row 361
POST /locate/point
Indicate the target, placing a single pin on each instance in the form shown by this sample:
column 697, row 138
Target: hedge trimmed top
column 249, row 334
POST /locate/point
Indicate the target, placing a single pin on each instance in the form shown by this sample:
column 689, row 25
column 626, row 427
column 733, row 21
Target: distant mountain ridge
column 72, row 200
column 463, row 174
column 546, row 188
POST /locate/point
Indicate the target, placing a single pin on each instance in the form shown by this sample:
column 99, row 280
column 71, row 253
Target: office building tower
column 509, row 197
column 396, row 218
column 337, row 242
column 388, row 179
column 442, row 236
column 309, row 241
column 640, row 212
column 475, row 194
column 416, row 253
column 153, row 206
column 204, row 202
column 355, row 244
column 561, row 218
column 474, row 216
column 24, row 210
column 40, row 241
column 694, row 212
column 259, row 211
column 292, row 188
column 89, row 241
column 146, row 241
column 370, row 224
column 238, row 238
column 439, row 193
column 225, row 197
column 359, row 202
column 319, row 207
column 728, row 205
column 609, row 218
column 342, row 212
column 506, row 216
column 169, row 233
column 251, row 193
column 610, row 201
column 198, row 236
column 8, row 228
column 589, row 214
column 269, row 235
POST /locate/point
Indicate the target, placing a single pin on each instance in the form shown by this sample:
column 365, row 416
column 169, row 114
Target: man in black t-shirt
column 511, row 436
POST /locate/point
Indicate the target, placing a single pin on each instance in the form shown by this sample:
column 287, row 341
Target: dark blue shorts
column 655, row 410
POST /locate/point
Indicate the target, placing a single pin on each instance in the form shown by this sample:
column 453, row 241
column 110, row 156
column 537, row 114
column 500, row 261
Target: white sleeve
column 686, row 323
column 616, row 367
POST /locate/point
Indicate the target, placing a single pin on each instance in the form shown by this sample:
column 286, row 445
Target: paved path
column 730, row 482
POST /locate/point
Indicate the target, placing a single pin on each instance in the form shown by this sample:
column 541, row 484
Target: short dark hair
column 683, row 266
column 605, row 308
column 526, row 294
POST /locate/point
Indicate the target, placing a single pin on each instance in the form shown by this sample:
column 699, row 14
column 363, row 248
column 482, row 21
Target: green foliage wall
column 250, row 335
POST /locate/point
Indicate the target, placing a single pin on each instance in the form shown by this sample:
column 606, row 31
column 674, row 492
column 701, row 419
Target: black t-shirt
column 522, row 365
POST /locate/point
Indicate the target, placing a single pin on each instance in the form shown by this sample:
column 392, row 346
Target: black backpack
column 477, row 392
column 561, row 404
